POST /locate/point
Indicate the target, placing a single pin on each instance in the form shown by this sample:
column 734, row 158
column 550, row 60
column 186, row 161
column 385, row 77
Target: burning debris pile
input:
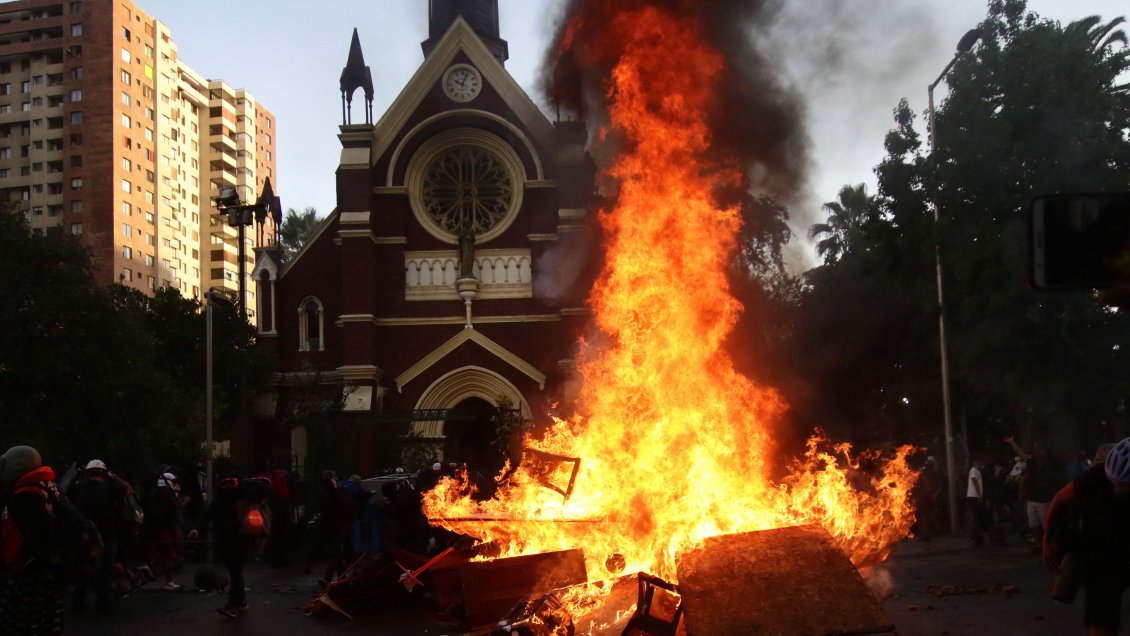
column 669, row 454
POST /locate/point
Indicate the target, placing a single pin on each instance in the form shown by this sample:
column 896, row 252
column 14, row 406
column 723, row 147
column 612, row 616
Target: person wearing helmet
column 101, row 497
column 1088, row 538
column 31, row 590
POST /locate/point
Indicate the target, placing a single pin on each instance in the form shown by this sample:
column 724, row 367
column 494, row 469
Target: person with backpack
column 101, row 498
column 1086, row 543
column 237, row 521
column 31, row 587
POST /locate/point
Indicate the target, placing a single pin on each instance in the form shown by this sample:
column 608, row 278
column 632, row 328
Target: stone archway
column 468, row 386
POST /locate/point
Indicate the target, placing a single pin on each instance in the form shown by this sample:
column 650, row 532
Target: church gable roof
column 460, row 38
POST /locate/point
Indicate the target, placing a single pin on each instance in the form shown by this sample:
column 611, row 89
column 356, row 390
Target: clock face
column 462, row 83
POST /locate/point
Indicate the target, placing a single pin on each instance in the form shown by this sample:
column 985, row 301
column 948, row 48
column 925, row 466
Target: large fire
column 675, row 445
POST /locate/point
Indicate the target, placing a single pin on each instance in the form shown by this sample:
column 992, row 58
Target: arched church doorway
column 470, row 435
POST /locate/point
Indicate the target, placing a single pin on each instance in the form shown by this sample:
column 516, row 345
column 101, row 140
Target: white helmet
column 96, row 464
column 1118, row 463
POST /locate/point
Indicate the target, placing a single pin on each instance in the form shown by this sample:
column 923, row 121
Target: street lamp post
column 967, row 41
column 240, row 215
column 210, row 457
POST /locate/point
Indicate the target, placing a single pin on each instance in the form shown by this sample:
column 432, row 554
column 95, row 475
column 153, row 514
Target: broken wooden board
column 784, row 582
column 492, row 588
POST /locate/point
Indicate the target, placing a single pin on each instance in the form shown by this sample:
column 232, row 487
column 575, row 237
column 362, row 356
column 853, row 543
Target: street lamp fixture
column 240, row 214
column 966, row 43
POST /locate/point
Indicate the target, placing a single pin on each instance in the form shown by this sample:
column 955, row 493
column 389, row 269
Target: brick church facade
column 447, row 288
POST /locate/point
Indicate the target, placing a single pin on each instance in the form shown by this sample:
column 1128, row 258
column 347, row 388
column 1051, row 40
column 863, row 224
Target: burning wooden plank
column 784, row 582
column 493, row 588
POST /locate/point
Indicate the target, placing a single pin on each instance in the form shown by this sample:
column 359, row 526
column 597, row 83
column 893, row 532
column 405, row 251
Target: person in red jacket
column 31, row 586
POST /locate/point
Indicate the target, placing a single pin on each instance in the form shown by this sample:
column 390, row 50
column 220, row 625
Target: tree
column 296, row 229
column 1035, row 107
column 848, row 220
column 89, row 370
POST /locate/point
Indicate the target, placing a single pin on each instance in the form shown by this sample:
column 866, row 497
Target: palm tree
column 296, row 229
column 847, row 219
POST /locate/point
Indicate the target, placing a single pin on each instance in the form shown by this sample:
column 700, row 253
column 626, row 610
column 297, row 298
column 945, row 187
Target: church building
column 445, row 294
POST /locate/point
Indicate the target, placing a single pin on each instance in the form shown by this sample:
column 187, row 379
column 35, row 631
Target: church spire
column 355, row 75
column 481, row 15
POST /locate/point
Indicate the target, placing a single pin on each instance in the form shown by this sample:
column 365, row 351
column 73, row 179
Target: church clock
column 462, row 83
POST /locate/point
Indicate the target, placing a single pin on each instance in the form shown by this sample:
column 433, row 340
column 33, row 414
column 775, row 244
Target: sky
column 852, row 60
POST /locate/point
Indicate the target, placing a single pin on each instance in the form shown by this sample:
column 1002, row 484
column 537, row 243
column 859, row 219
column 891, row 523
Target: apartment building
column 105, row 133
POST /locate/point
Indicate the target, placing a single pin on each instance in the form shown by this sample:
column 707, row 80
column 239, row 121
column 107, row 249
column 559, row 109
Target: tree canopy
column 94, row 371
column 1035, row 107
column 296, row 229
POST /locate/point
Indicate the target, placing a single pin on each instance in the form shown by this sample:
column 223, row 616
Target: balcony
column 502, row 273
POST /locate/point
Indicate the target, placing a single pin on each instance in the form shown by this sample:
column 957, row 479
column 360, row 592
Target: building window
column 127, row 252
column 76, row 95
column 127, row 230
column 310, row 325
column 76, row 206
column 5, row 153
column 126, row 165
column 125, row 34
column 76, row 7
column 25, row 86
column 126, row 186
column 148, row 134
column 76, row 161
column 76, row 29
column 76, row 184
column 76, row 229
column 126, row 99
column 149, row 218
column 126, row 121
column 76, row 117
column 126, row 56
column 126, row 77
column 149, row 260
column 76, row 73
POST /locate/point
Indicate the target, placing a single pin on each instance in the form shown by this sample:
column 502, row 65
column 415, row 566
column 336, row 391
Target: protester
column 975, row 498
column 232, row 542
column 1089, row 518
column 101, row 497
column 282, row 511
column 164, row 516
column 31, row 588
column 927, row 499
column 1040, row 485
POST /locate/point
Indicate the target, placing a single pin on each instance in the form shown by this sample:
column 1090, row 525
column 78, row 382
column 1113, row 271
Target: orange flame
column 674, row 443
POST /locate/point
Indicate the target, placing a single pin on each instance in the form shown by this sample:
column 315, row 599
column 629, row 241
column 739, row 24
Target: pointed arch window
column 311, row 325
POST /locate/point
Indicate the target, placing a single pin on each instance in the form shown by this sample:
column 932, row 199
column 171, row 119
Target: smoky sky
column 758, row 119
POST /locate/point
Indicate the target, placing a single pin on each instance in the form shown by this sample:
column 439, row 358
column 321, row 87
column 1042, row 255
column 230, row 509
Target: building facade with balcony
column 105, row 133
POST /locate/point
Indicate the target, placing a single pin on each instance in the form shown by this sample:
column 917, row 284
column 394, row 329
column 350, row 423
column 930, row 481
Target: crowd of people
column 1073, row 508
column 103, row 534
column 91, row 532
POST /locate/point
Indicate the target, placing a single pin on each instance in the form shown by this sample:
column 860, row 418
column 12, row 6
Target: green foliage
column 1035, row 107
column 296, row 229
column 91, row 371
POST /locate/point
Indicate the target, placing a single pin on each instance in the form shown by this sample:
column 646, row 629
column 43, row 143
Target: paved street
column 1007, row 595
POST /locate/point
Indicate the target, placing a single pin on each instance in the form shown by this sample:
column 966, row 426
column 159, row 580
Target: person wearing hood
column 31, row 586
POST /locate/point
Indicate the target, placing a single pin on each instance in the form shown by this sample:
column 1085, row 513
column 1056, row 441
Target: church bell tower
column 481, row 15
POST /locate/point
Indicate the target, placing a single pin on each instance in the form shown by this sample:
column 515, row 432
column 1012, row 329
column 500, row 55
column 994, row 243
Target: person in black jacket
column 101, row 498
column 231, row 543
